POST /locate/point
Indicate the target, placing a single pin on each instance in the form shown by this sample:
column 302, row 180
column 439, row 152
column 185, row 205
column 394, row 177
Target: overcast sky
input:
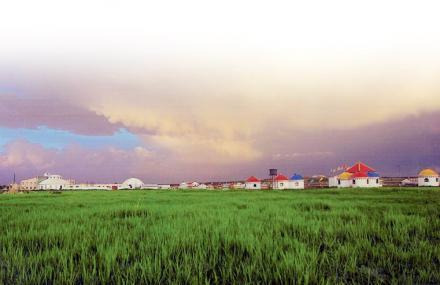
column 199, row 90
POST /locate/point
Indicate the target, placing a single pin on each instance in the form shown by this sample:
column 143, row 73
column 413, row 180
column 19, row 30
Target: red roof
column 360, row 174
column 281, row 177
column 360, row 167
column 253, row 179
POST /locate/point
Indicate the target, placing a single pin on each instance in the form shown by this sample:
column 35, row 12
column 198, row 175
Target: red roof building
column 281, row 177
column 253, row 179
column 360, row 175
column 360, row 167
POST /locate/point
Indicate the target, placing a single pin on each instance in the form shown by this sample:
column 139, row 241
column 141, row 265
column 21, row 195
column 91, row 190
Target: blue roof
column 296, row 177
column 373, row 174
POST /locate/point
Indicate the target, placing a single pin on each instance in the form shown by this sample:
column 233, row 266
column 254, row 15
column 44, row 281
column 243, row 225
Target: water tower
column 273, row 173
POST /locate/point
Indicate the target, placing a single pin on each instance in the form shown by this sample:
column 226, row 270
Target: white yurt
column 360, row 180
column 373, row 180
column 132, row 183
column 296, row 182
column 281, row 182
column 253, row 183
column 344, row 180
column 429, row 178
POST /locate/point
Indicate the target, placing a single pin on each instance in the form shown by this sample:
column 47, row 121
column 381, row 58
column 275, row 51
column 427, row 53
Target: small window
column 296, row 183
column 436, row 180
column 377, row 181
column 426, row 179
column 354, row 181
column 368, row 181
column 339, row 181
column 281, row 184
column 255, row 185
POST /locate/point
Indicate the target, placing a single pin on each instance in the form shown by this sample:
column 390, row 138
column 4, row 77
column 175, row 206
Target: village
column 359, row 175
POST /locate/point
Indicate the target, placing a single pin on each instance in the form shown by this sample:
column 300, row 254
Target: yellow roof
column 345, row 176
column 428, row 172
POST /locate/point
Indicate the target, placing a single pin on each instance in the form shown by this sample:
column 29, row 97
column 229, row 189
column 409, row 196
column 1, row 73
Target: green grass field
column 221, row 237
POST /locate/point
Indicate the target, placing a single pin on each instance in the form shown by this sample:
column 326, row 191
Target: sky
column 167, row 91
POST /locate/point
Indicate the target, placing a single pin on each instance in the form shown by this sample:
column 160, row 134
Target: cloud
column 56, row 113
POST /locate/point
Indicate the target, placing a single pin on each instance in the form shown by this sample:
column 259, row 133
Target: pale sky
column 203, row 90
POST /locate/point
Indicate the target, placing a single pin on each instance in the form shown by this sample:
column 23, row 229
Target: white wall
column 281, row 185
column 374, row 182
column 333, row 181
column 296, row 184
column 432, row 181
column 360, row 182
column 344, row 183
column 253, row 185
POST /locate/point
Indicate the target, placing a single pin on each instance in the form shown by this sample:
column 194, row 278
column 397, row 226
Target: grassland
column 218, row 237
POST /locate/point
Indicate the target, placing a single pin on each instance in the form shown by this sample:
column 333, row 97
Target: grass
column 221, row 237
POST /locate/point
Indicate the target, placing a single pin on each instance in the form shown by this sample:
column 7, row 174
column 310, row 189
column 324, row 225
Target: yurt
column 363, row 176
column 296, row 182
column 344, row 180
column 253, row 183
column 373, row 179
column 281, row 182
column 360, row 180
column 429, row 178
column 132, row 183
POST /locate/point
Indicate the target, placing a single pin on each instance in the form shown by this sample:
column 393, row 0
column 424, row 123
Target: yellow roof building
column 428, row 173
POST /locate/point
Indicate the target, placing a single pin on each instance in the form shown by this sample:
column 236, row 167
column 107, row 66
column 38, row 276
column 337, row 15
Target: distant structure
column 428, row 178
column 296, row 182
column 281, row 182
column 54, row 182
column 32, row 183
column 357, row 176
column 253, row 183
column 132, row 183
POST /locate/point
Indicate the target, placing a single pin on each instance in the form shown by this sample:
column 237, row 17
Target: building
column 296, row 182
column 54, row 182
column 358, row 176
column 253, row 183
column 238, row 185
column 188, row 185
column 343, row 180
column 132, row 183
column 32, row 183
column 428, row 178
column 364, row 176
column 281, row 182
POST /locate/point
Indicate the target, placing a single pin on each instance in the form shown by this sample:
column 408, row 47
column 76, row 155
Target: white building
column 281, row 182
column 296, row 182
column 202, row 187
column 132, row 183
column 343, row 180
column 32, row 183
column 90, row 186
column 373, row 180
column 253, row 183
column 238, row 185
column 429, row 178
column 358, row 176
column 164, row 186
column 188, row 185
column 54, row 182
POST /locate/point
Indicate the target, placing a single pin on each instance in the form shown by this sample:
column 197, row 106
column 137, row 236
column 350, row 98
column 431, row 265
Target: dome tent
column 428, row 178
column 132, row 183
column 296, row 181
column 253, row 183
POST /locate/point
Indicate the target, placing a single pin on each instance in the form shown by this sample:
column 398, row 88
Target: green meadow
column 376, row 236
